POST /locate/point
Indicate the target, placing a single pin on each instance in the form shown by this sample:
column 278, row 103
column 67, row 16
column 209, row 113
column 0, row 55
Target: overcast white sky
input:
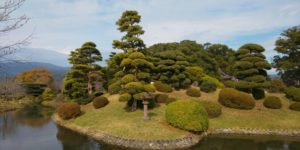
column 63, row 25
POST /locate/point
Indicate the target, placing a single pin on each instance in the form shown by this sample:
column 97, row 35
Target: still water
column 32, row 129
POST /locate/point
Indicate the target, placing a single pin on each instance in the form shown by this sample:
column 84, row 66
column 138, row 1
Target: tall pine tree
column 84, row 73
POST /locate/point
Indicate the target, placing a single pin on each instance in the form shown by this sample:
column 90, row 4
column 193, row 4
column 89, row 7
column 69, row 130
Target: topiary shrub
column 207, row 86
column 295, row 106
column 229, row 84
column 48, row 94
column 292, row 93
column 68, row 110
column 187, row 115
column 277, row 85
column 162, row 87
column 114, row 88
column 272, row 102
column 100, row 101
column 125, row 97
column 258, row 93
column 213, row 109
column 213, row 80
column 194, row 92
column 235, row 99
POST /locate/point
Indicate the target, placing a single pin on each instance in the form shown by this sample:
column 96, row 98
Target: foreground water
column 32, row 129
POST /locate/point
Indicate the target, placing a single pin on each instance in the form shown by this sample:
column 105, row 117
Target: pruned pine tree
column 85, row 71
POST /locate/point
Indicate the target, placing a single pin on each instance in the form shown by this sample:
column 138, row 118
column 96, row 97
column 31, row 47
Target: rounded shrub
column 208, row 86
column 292, row 93
column 229, row 84
column 68, row 110
column 125, row 97
column 162, row 87
column 213, row 109
column 213, row 80
column 187, row 115
column 114, row 88
column 235, row 99
column 100, row 101
column 258, row 93
column 295, row 106
column 194, row 92
column 277, row 85
column 272, row 102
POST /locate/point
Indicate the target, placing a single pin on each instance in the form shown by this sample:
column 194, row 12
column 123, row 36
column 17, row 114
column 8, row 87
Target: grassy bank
column 115, row 120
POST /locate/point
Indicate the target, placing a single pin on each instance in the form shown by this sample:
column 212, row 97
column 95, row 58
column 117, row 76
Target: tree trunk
column 134, row 105
column 90, row 85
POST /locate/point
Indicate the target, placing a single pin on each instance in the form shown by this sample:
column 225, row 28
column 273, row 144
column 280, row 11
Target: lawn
column 115, row 120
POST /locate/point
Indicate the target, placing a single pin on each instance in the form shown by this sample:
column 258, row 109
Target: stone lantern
column 146, row 98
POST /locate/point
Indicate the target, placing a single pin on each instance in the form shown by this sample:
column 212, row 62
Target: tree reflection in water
column 8, row 124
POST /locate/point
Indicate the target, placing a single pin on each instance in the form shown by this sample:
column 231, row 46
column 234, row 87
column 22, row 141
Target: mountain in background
column 42, row 55
column 11, row 69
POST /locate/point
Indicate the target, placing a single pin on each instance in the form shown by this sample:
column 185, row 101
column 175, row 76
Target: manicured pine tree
column 79, row 83
column 250, row 69
column 135, row 68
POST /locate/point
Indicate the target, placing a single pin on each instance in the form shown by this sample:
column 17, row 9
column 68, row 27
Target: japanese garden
column 169, row 95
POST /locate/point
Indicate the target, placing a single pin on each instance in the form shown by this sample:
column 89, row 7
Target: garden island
column 171, row 95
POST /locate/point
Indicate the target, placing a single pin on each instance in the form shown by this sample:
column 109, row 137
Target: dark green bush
column 114, row 88
column 194, row 92
column 295, row 106
column 162, row 87
column 229, row 84
column 272, row 102
column 100, row 101
column 125, row 97
column 96, row 94
column 292, row 93
column 277, row 85
column 213, row 109
column 68, row 110
column 235, row 99
column 258, row 93
column 208, row 86
column 187, row 115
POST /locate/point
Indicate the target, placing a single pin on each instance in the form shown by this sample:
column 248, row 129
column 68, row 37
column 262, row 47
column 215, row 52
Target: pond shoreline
column 184, row 142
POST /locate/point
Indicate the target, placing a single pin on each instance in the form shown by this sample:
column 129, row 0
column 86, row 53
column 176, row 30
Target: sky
column 63, row 25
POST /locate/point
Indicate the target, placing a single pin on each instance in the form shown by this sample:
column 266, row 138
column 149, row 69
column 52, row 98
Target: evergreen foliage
column 193, row 92
column 213, row 109
column 292, row 93
column 235, row 99
column 295, row 106
column 207, row 86
column 48, row 94
column 272, row 102
column 100, row 101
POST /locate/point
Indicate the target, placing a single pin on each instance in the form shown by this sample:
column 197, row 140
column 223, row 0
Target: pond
column 32, row 129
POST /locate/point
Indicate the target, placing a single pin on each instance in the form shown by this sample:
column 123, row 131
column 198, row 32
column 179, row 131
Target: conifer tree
column 79, row 83
column 250, row 67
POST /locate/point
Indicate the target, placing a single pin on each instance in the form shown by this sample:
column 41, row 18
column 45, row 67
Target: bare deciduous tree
column 8, row 23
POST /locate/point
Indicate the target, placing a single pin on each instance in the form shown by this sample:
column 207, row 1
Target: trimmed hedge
column 236, row 99
column 193, row 92
column 125, row 97
column 213, row 80
column 68, row 110
column 162, row 87
column 292, row 93
column 273, row 102
column 213, row 109
column 187, row 115
column 295, row 106
column 208, row 86
column 258, row 93
column 277, row 85
column 100, row 101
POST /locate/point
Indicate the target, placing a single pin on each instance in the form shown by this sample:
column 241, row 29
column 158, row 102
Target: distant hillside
column 42, row 55
column 11, row 69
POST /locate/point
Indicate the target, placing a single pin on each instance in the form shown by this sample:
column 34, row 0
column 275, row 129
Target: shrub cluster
column 114, row 88
column 213, row 109
column 235, row 99
column 162, row 87
column 163, row 98
column 125, row 97
column 258, row 93
column 213, row 80
column 208, row 86
column 292, row 93
column 187, row 115
column 272, row 102
column 68, row 110
column 193, row 92
column 100, row 101
column 295, row 106
column 277, row 85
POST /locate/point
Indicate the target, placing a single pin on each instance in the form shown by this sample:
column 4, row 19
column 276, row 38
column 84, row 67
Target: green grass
column 115, row 120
